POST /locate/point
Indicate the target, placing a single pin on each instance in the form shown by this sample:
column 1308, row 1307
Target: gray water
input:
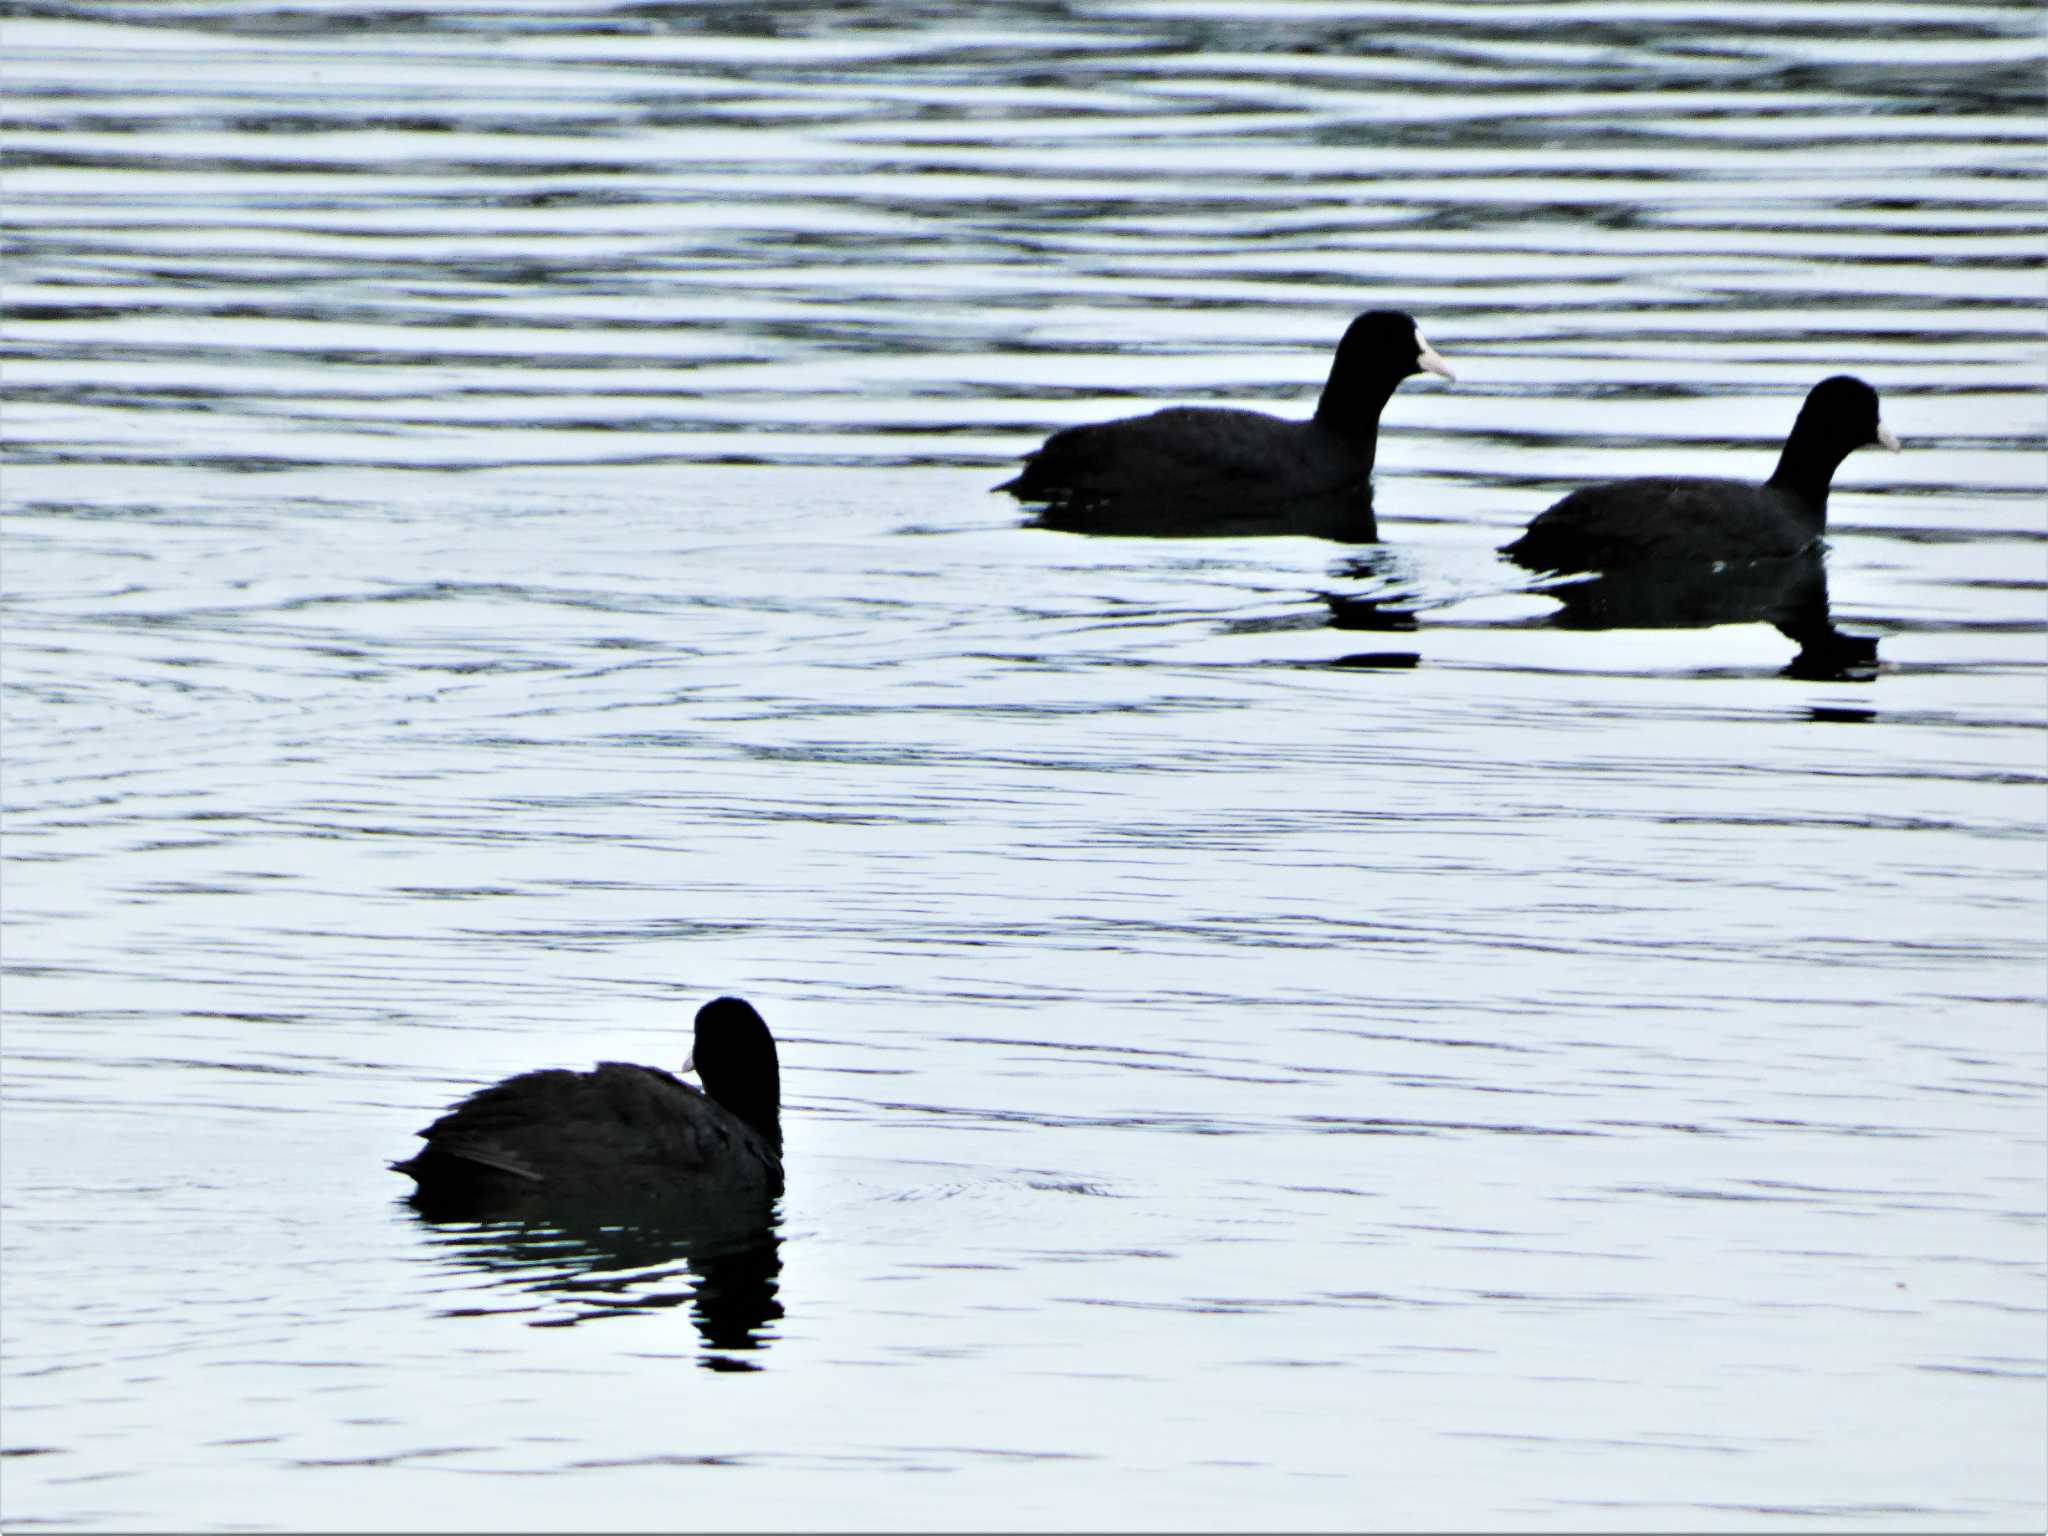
column 1275, row 1034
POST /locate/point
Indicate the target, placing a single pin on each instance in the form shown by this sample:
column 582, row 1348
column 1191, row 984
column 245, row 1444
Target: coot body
column 1673, row 518
column 619, row 1138
column 1212, row 471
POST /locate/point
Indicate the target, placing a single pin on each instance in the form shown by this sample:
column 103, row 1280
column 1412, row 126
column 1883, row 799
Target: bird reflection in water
column 1388, row 606
column 581, row 1267
column 1789, row 593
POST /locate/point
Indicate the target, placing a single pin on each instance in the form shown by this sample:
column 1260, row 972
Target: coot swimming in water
column 1686, row 518
column 1195, row 471
column 619, row 1138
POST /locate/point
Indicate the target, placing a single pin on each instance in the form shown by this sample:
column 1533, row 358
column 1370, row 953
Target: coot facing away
column 1194, row 471
column 1687, row 518
column 619, row 1137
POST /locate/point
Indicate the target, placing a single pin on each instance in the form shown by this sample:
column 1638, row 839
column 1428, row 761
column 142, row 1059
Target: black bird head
column 734, row 1057
column 1379, row 350
column 1840, row 416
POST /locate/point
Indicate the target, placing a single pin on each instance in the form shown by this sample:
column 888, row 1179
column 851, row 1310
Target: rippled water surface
column 1275, row 1033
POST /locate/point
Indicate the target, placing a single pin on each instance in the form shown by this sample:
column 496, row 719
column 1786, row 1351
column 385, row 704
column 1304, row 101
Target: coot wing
column 559, row 1126
column 1663, row 518
column 1206, row 451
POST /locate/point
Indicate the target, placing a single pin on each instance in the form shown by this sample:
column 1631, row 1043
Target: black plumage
column 1673, row 518
column 618, row 1138
column 1194, row 471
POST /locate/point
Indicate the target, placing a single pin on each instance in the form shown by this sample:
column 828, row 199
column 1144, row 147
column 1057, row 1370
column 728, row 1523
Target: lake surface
column 1275, row 1034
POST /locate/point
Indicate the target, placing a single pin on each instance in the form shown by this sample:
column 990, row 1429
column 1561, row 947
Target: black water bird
column 1674, row 518
column 620, row 1138
column 1195, row 471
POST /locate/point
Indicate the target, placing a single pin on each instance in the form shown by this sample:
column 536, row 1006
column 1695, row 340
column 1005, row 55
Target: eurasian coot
column 1684, row 518
column 1212, row 471
column 619, row 1138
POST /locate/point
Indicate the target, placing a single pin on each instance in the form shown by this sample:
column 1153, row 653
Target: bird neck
column 749, row 1091
column 762, row 1110
column 1805, row 470
column 1809, row 493
column 1351, row 410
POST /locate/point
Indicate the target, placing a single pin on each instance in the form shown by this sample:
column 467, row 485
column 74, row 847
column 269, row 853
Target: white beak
column 690, row 1062
column 1427, row 360
column 1888, row 437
